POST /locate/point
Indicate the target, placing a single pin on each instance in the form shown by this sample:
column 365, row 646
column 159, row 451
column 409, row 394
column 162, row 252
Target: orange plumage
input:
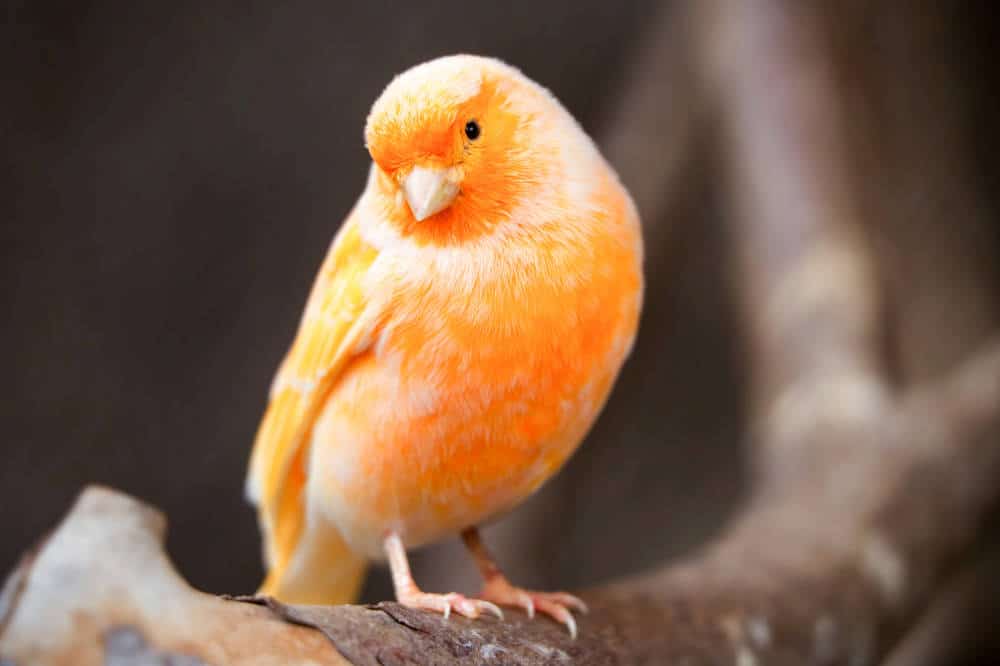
column 462, row 335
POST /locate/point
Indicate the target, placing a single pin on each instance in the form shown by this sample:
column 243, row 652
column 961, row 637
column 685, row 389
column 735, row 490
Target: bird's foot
column 446, row 603
column 557, row 605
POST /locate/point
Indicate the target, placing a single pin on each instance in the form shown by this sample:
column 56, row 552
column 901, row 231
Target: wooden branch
column 810, row 289
column 934, row 222
column 100, row 590
column 958, row 626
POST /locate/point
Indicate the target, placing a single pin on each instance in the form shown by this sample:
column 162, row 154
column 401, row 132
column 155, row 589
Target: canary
column 462, row 335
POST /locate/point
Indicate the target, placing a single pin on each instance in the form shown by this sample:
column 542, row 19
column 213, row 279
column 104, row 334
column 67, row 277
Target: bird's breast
column 479, row 385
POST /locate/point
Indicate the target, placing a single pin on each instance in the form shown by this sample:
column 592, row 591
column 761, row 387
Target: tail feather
column 323, row 570
column 309, row 562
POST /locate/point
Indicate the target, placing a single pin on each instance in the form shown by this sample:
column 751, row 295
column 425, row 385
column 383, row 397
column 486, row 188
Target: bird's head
column 457, row 142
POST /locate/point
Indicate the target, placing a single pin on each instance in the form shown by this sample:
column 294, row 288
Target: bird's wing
column 336, row 326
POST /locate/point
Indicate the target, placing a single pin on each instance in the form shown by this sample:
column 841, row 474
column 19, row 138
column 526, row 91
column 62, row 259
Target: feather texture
column 444, row 369
column 334, row 330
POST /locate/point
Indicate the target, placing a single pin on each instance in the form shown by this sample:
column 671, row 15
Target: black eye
column 472, row 130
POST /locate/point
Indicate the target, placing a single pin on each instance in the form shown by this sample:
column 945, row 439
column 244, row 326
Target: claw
column 566, row 599
column 408, row 594
column 446, row 603
column 491, row 607
column 558, row 612
column 556, row 605
column 528, row 604
column 570, row 623
column 497, row 588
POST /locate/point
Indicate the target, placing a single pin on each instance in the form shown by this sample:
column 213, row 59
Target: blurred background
column 172, row 176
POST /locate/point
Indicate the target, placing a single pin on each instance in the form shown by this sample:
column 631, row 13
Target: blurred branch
column 810, row 288
column 935, row 239
column 934, row 227
column 958, row 627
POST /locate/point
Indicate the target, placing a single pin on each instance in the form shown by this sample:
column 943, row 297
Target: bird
column 462, row 335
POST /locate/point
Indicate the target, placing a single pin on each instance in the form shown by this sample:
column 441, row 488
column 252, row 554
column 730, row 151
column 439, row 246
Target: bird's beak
column 429, row 191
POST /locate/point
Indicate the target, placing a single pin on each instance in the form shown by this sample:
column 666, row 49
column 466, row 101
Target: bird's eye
column 472, row 130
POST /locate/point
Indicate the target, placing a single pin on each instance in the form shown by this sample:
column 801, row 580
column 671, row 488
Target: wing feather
column 334, row 329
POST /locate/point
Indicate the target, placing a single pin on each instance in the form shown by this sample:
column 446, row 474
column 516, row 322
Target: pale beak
column 429, row 191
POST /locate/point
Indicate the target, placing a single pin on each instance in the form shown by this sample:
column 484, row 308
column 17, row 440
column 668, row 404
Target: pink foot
column 556, row 605
column 445, row 603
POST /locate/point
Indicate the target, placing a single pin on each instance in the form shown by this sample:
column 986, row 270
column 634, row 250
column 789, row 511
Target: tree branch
column 811, row 294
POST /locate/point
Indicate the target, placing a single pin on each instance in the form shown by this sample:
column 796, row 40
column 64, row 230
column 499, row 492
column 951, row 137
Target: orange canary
column 463, row 333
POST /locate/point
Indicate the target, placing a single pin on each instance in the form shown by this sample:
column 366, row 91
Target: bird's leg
column 498, row 589
column 408, row 594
